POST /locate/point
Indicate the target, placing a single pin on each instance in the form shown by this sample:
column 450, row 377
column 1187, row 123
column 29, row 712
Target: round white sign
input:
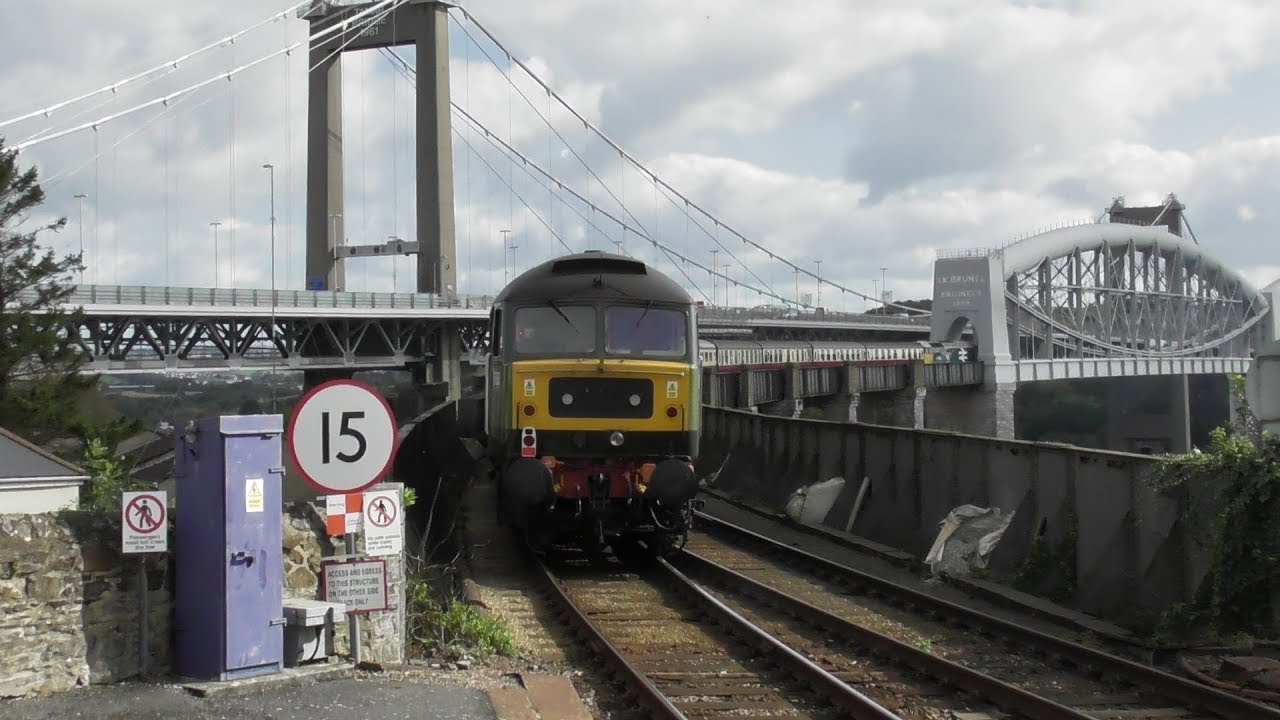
column 342, row 436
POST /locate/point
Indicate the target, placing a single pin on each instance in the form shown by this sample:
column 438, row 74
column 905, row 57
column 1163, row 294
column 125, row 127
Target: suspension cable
column 407, row 71
column 527, row 162
column 164, row 100
column 599, row 133
column 57, row 178
column 173, row 64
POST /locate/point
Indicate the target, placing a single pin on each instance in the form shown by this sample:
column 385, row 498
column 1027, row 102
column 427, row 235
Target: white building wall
column 47, row 497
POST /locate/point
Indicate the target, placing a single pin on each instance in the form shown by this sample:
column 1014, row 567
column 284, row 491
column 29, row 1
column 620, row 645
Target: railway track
column 1018, row 669
column 720, row 631
column 685, row 654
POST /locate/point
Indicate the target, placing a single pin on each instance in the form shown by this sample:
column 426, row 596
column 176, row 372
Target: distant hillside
column 926, row 304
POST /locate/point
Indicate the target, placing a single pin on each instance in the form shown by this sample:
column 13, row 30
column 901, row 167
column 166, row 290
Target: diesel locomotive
column 592, row 404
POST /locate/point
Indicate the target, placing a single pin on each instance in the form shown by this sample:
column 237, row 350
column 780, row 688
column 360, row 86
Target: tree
column 41, row 384
column 925, row 304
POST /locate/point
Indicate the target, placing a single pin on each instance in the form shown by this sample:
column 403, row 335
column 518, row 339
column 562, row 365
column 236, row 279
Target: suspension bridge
column 439, row 161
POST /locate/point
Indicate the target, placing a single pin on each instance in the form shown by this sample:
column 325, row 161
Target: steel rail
column 647, row 692
column 1182, row 690
column 831, row 687
column 1002, row 694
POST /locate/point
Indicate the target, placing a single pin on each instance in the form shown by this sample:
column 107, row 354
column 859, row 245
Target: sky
column 864, row 135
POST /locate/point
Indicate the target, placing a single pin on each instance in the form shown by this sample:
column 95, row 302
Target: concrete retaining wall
column 1132, row 550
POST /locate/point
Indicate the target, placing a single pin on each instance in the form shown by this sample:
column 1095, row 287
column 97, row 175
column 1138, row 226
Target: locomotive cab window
column 647, row 331
column 555, row 329
column 495, row 332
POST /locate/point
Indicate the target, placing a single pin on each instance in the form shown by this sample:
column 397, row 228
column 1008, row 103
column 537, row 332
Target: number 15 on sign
column 342, row 437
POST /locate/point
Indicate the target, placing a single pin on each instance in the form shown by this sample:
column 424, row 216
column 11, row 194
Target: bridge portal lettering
column 963, row 289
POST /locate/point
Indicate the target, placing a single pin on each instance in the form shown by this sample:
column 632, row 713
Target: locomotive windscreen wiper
column 646, row 312
column 560, row 312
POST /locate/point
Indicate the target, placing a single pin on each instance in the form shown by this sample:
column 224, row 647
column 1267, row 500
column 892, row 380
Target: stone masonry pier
column 1087, row 530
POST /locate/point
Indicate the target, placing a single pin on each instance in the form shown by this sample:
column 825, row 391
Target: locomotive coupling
column 673, row 482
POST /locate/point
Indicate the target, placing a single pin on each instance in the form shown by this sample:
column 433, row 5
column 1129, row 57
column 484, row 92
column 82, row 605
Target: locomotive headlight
column 634, row 400
column 566, row 399
column 616, row 438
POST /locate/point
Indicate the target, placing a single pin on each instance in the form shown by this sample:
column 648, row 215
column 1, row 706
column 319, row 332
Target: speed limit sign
column 342, row 436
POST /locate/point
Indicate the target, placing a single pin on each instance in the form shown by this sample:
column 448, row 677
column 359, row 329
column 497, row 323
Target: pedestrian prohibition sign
column 342, row 437
column 383, row 533
column 143, row 526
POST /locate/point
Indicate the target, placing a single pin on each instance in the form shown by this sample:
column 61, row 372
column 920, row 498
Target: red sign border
column 367, row 507
column 386, row 586
column 164, row 514
column 293, row 421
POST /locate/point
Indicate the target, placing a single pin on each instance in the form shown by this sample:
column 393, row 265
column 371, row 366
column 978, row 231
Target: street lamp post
column 81, row 198
column 216, row 263
column 714, row 253
column 884, row 288
column 395, row 265
column 819, row 301
column 271, row 171
column 506, row 273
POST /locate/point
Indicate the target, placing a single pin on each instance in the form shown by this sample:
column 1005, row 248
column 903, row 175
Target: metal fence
column 240, row 297
column 160, row 296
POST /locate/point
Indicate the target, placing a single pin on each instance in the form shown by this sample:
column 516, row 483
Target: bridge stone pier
column 903, row 407
column 985, row 410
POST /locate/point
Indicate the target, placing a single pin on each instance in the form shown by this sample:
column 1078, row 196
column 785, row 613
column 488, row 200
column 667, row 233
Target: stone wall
column 69, row 604
column 1116, row 548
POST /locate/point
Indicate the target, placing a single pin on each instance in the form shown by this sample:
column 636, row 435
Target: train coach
column 761, row 354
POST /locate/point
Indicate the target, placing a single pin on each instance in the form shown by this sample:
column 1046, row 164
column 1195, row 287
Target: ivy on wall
column 1242, row 467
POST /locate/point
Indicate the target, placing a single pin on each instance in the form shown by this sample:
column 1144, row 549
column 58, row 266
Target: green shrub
column 1244, row 559
column 453, row 628
column 107, row 478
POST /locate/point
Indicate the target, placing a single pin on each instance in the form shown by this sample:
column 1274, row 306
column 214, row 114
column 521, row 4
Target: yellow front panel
column 671, row 387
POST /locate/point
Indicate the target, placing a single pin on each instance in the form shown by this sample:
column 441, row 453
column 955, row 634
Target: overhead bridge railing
column 147, row 295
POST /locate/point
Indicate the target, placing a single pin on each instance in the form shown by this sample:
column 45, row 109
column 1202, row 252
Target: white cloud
column 860, row 134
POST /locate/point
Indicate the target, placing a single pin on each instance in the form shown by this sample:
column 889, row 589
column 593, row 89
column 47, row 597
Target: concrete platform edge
column 299, row 675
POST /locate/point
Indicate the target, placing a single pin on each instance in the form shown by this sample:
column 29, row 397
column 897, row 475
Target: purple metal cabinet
column 229, row 614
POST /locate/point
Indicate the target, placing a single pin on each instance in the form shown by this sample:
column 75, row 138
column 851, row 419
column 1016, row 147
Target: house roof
column 21, row 459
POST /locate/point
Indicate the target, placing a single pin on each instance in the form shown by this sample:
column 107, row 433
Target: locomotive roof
column 593, row 275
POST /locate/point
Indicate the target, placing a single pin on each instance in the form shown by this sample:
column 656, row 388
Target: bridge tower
column 968, row 295
column 425, row 25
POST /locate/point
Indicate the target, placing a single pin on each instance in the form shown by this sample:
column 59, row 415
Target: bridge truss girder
column 1132, row 301
column 136, row 343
